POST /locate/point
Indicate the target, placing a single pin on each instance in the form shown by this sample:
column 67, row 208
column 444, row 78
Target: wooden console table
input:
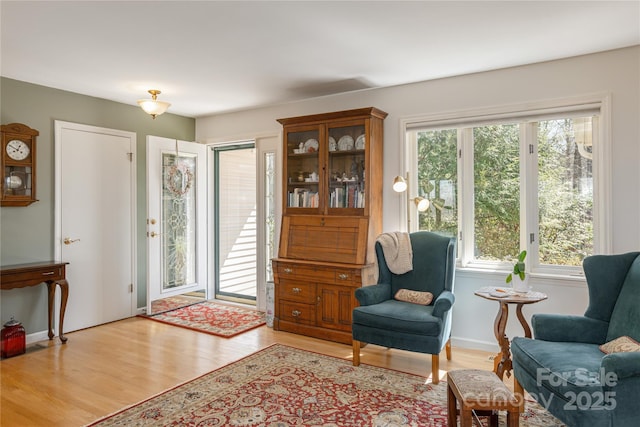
column 32, row 274
column 502, row 363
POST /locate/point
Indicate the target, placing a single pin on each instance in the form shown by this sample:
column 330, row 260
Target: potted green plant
column 518, row 276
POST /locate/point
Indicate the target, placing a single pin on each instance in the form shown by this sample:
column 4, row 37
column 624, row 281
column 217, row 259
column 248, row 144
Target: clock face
column 17, row 150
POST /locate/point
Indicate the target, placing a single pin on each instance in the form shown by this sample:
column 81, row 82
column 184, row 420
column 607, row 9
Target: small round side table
column 502, row 363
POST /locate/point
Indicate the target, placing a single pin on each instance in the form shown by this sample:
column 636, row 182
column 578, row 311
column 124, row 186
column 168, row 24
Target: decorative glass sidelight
column 270, row 213
column 178, row 220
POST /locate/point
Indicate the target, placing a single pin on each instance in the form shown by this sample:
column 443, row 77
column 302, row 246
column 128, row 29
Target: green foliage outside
column 565, row 195
column 437, row 165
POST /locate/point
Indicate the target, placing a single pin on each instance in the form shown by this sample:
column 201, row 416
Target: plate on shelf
column 360, row 142
column 311, row 145
column 345, row 143
column 332, row 144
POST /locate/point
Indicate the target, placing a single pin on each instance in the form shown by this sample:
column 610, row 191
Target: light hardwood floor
column 103, row 369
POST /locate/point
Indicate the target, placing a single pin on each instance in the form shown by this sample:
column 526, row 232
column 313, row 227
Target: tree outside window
column 562, row 182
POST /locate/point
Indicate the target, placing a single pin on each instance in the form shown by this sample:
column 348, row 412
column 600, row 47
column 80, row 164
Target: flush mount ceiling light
column 152, row 106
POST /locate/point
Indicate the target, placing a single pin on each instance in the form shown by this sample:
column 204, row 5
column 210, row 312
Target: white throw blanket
column 396, row 247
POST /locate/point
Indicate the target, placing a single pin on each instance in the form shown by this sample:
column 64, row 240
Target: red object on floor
column 13, row 339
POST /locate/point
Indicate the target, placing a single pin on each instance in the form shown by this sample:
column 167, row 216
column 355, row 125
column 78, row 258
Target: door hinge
column 532, row 238
column 530, row 148
column 460, row 153
column 130, row 156
column 460, row 235
column 131, row 288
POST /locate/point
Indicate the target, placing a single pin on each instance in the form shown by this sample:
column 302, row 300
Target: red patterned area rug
column 284, row 386
column 213, row 318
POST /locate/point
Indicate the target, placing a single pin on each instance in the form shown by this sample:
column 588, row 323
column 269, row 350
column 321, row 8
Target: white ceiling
column 210, row 57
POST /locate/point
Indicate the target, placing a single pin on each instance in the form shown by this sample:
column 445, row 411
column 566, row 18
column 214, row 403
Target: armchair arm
column 374, row 294
column 624, row 365
column 443, row 303
column 569, row 328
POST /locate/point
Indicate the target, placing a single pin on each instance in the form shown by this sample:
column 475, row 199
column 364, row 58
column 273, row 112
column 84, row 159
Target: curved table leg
column 502, row 361
column 51, row 290
column 523, row 321
column 64, row 288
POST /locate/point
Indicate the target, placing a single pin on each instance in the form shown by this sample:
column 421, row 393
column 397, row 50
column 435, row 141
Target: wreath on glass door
column 179, row 179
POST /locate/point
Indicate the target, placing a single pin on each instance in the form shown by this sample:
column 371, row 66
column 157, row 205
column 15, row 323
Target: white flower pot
column 519, row 285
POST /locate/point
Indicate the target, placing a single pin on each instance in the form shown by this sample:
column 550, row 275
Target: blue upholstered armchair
column 380, row 319
column 564, row 368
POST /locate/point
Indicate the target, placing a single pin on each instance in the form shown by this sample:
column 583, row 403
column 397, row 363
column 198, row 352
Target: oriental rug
column 213, row 318
column 285, row 386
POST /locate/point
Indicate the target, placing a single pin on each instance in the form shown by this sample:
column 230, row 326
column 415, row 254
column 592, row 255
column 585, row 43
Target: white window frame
column 528, row 113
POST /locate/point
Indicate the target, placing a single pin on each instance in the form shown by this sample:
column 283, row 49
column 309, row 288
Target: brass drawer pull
column 288, row 270
column 343, row 276
column 296, row 313
column 296, row 290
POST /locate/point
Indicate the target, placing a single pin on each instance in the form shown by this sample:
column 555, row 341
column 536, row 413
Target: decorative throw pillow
column 620, row 345
column 414, row 297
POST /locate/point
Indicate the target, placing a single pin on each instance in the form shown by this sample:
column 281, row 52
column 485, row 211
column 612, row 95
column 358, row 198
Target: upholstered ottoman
column 480, row 392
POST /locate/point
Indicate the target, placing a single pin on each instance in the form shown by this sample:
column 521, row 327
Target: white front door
column 95, row 221
column 176, row 218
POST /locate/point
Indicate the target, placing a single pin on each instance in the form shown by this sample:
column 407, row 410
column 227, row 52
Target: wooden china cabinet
column 332, row 215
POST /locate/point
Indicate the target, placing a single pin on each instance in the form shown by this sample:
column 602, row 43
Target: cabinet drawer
column 317, row 274
column 329, row 275
column 347, row 277
column 296, row 312
column 296, row 291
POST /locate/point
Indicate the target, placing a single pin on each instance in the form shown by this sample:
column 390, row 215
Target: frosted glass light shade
column 421, row 203
column 399, row 184
column 153, row 107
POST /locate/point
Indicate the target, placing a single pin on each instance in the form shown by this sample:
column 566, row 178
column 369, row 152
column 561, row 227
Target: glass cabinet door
column 303, row 168
column 346, row 167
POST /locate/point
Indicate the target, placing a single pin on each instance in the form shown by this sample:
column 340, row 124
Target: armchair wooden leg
column 447, row 348
column 435, row 368
column 356, row 352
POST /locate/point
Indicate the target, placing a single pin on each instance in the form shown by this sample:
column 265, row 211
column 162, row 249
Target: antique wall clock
column 18, row 165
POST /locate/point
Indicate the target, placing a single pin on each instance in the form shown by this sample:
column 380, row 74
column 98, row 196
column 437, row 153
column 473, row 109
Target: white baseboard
column 141, row 310
column 468, row 343
column 37, row 336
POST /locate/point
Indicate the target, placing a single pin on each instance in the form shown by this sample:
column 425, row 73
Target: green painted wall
column 26, row 233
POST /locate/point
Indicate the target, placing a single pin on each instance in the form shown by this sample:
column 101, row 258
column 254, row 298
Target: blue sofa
column 563, row 367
